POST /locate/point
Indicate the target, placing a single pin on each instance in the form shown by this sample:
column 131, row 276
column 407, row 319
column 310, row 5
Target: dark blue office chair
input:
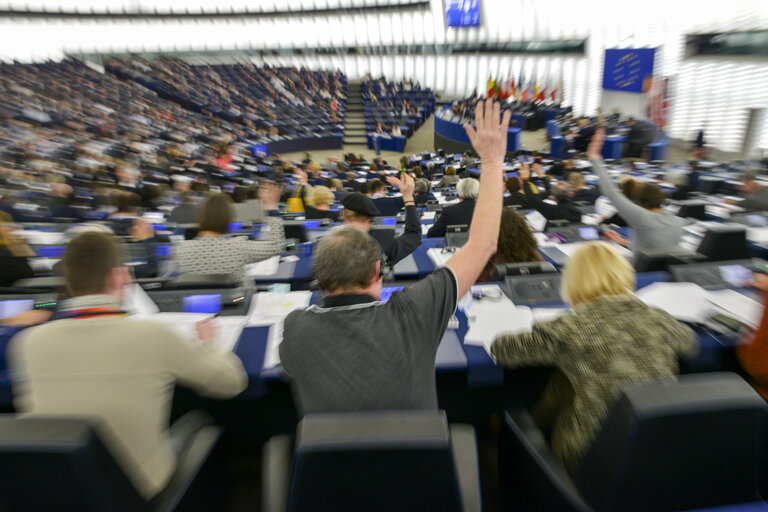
column 695, row 442
column 61, row 464
column 373, row 461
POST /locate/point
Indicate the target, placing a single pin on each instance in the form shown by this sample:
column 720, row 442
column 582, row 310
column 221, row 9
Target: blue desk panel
column 455, row 131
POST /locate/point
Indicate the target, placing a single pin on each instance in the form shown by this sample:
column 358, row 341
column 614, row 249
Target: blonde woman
column 14, row 252
column 319, row 203
column 611, row 340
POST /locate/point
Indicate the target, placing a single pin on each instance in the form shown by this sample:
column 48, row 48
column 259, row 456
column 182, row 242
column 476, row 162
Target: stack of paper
column 737, row 306
column 684, row 301
column 439, row 257
column 271, row 309
column 263, row 268
column 228, row 328
column 489, row 317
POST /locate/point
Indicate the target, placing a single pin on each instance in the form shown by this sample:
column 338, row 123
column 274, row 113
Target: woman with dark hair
column 213, row 252
column 516, row 245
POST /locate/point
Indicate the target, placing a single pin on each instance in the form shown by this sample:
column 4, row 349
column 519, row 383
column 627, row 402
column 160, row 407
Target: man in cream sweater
column 99, row 361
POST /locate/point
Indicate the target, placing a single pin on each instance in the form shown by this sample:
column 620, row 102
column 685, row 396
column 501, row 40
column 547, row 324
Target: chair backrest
column 374, row 461
column 203, row 281
column 60, row 464
column 689, row 443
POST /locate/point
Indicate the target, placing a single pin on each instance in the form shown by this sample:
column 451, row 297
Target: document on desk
column 428, row 215
column 264, row 268
column 489, row 317
column 736, row 305
column 268, row 308
column 137, row 302
column 439, row 257
column 684, row 301
column 228, row 328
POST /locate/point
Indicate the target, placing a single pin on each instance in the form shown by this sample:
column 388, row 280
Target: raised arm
column 489, row 138
column 410, row 240
column 631, row 212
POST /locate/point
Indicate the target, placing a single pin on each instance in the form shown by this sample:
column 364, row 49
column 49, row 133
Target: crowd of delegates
column 271, row 103
column 390, row 106
column 609, row 341
column 578, row 131
column 463, row 110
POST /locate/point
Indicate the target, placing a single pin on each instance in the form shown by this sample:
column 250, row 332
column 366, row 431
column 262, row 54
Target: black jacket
column 587, row 195
column 452, row 215
column 406, row 243
column 389, row 206
column 567, row 210
column 12, row 268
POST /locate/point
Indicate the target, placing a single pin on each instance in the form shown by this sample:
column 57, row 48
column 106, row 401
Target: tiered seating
column 271, row 103
column 406, row 105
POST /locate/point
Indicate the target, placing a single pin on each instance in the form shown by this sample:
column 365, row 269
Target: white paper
column 604, row 207
column 428, row 215
column 425, row 229
column 438, row 257
column 492, row 315
column 272, row 352
column 268, row 308
column 738, row 306
column 290, row 258
column 684, row 301
column 536, row 221
column 263, row 268
column 137, row 302
column 228, row 328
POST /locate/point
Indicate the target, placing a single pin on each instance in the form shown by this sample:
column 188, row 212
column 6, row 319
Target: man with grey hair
column 563, row 209
column 352, row 352
column 457, row 214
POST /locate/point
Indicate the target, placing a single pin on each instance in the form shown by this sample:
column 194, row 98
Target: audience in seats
column 248, row 209
column 612, row 340
column 755, row 194
column 95, row 360
column 388, row 206
column 213, row 252
column 318, row 205
column 652, row 228
column 563, row 209
column 187, row 212
column 423, row 192
column 516, row 196
column 581, row 192
column 460, row 213
column 359, row 211
column 450, row 177
column 516, row 244
column 360, row 365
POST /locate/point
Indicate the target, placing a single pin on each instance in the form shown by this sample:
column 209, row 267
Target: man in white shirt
column 96, row 360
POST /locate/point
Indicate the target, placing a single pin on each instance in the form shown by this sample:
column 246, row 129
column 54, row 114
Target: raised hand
column 406, row 185
column 594, row 151
column 269, row 195
column 488, row 137
column 525, row 171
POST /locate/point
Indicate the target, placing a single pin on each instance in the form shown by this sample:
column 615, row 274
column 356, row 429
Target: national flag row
column 532, row 90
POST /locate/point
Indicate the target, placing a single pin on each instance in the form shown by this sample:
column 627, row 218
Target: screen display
column 462, row 13
column 588, row 234
column 626, row 69
column 386, row 293
column 14, row 307
column 736, row 275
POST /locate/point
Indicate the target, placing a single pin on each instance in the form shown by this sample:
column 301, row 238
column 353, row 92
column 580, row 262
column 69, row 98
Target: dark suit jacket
column 404, row 244
column 389, row 206
column 311, row 212
column 516, row 199
column 566, row 210
column 452, row 215
column 588, row 195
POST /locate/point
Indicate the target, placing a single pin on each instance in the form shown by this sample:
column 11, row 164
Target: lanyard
column 93, row 312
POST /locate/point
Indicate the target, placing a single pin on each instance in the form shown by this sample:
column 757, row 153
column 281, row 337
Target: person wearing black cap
column 359, row 210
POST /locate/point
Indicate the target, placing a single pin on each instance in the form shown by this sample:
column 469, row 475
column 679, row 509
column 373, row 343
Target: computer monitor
column 524, row 269
column 693, row 208
column 724, row 242
column 295, row 229
column 456, row 235
column 387, row 292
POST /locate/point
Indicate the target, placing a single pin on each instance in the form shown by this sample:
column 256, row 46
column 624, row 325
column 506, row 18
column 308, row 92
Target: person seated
column 628, row 186
column 128, row 206
column 64, row 207
column 610, row 341
column 319, row 205
column 396, row 132
column 359, row 211
column 450, row 177
column 97, row 361
column 653, row 229
column 186, row 212
column 336, row 187
column 580, row 192
column 460, row 213
column 360, row 365
column 213, row 252
column 423, row 192
column 563, row 209
column 682, row 187
column 516, row 245
column 14, row 253
column 516, row 196
column 388, row 206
